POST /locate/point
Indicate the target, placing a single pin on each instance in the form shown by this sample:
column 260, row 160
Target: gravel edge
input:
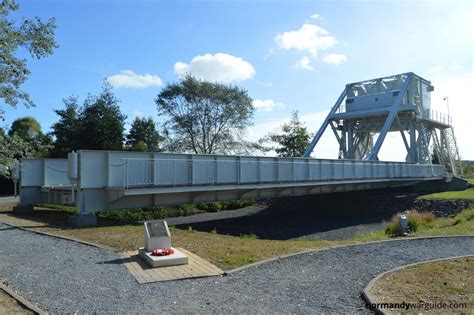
column 369, row 298
column 35, row 309
column 59, row 237
column 238, row 269
column 242, row 268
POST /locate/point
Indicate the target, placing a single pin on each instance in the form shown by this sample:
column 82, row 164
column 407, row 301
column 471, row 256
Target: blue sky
column 289, row 55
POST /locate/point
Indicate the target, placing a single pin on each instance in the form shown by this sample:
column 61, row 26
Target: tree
column 26, row 127
column 29, row 130
column 143, row 135
column 32, row 35
column 14, row 147
column 65, row 131
column 294, row 139
column 101, row 123
column 204, row 117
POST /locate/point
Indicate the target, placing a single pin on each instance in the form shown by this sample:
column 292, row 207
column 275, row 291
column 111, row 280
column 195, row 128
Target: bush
column 224, row 205
column 250, row 236
column 159, row 212
column 147, row 214
column 393, row 227
column 425, row 219
column 416, row 219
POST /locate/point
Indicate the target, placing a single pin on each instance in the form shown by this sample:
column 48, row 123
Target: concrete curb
column 368, row 297
column 58, row 236
column 309, row 251
column 35, row 309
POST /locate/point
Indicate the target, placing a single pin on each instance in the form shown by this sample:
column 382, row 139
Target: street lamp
column 447, row 105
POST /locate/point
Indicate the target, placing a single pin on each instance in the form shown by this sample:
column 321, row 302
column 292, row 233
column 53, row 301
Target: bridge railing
column 138, row 172
column 438, row 116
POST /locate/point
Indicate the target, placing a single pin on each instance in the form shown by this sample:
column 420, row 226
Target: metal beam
column 323, row 127
column 403, row 133
column 373, row 155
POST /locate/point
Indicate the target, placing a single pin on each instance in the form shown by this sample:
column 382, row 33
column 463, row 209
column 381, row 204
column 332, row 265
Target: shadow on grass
column 295, row 217
column 54, row 218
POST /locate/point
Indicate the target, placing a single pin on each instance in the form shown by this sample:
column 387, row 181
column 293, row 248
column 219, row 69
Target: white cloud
column 458, row 89
column 335, row 59
column 310, row 38
column 266, row 105
column 219, row 67
column 456, row 67
column 315, row 16
column 130, row 79
column 304, row 63
column 268, row 54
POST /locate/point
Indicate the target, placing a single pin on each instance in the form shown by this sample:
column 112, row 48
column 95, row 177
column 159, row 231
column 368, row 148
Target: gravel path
column 65, row 276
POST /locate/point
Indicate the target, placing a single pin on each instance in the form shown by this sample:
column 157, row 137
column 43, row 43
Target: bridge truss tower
column 367, row 111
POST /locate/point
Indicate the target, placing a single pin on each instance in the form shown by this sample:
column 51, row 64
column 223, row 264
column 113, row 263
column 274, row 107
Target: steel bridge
column 105, row 180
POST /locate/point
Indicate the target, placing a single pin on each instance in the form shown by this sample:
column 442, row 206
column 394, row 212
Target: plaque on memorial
column 157, row 235
column 158, row 251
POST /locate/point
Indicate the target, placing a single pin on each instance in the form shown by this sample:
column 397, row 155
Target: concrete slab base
column 82, row 220
column 178, row 258
column 23, row 209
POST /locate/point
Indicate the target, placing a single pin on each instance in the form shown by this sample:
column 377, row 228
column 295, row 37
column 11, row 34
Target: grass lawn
column 225, row 251
column 467, row 194
column 449, row 281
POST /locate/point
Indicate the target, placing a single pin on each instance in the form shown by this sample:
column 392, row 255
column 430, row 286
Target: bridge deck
column 111, row 180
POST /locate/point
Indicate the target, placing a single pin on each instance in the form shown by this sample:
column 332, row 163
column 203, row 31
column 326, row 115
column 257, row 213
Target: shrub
column 425, row 219
column 224, row 205
column 416, row 219
column 393, row 227
column 250, row 236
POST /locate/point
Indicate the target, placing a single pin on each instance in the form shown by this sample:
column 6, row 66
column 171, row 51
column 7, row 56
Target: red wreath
column 162, row 252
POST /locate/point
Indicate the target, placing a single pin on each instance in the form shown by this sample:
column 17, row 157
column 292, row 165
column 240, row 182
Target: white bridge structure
column 96, row 181
column 106, row 180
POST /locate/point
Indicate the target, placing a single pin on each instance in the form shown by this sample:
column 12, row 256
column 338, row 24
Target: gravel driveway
column 65, row 276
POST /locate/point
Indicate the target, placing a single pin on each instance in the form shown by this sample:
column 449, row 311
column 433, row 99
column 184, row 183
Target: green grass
column 64, row 208
column 426, row 224
column 446, row 281
column 223, row 250
column 467, row 194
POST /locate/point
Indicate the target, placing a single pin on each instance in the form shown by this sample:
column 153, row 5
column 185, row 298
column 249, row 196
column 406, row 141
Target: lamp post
column 447, row 105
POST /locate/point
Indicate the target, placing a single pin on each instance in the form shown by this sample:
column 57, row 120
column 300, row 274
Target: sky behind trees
column 288, row 55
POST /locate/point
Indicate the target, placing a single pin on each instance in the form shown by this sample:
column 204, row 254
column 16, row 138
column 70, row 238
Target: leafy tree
column 14, row 147
column 29, row 130
column 143, row 135
column 66, row 130
column 32, row 35
column 294, row 139
column 26, row 127
column 101, row 123
column 204, row 117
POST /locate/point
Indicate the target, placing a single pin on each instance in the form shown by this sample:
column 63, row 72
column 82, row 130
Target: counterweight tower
column 367, row 111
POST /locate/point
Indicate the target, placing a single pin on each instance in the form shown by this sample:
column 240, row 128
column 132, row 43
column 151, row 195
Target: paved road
column 65, row 276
